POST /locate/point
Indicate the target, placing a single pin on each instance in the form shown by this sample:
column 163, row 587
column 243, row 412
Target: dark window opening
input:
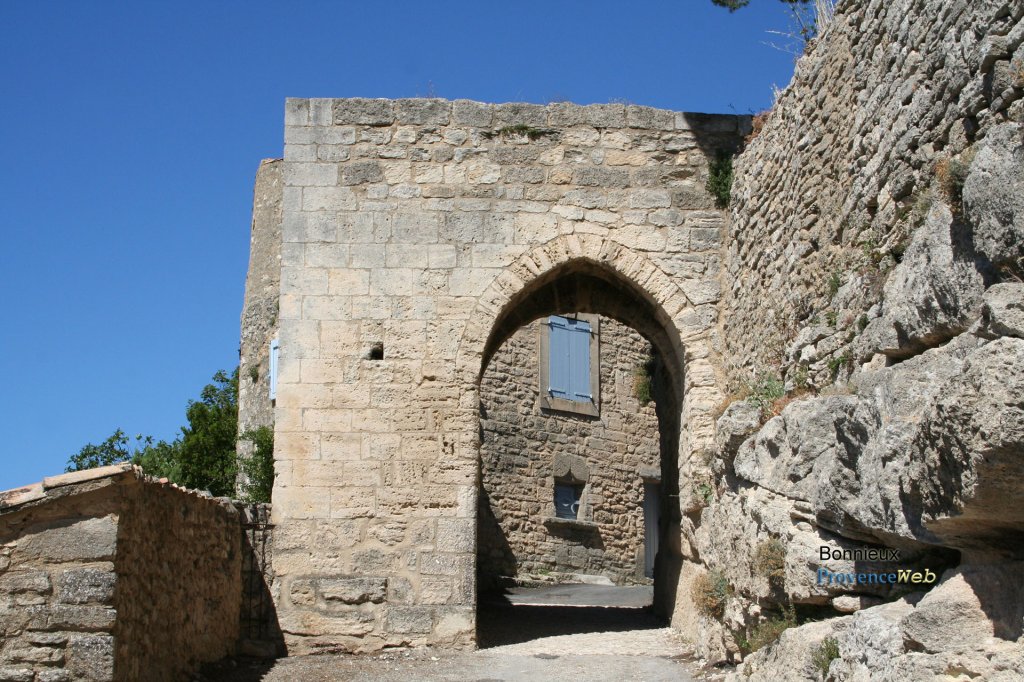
column 567, row 499
column 376, row 352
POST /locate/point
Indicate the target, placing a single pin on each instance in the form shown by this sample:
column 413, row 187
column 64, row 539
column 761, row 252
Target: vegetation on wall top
column 203, row 457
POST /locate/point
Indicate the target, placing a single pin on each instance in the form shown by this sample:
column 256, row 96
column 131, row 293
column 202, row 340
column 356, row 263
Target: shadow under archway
column 586, row 286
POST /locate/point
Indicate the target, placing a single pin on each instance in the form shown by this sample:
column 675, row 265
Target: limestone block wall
column 847, row 166
column 107, row 575
column 522, row 445
column 411, row 229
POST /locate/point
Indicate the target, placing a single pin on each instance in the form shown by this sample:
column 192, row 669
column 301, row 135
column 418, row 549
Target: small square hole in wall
column 376, row 352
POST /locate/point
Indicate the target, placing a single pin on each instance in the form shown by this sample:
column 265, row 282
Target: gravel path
column 518, row 642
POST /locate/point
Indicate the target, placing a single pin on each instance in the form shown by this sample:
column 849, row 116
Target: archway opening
column 580, row 400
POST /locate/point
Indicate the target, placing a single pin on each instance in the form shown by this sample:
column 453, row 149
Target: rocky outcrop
column 881, row 258
column 968, row 627
column 932, row 295
column 993, row 195
column 922, row 458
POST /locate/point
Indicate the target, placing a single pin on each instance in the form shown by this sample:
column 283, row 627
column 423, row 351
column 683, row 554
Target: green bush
column 642, row 378
column 202, row 457
column 835, row 281
column 720, row 179
column 765, row 391
column 838, row 362
column 768, row 631
column 258, row 468
column 951, row 175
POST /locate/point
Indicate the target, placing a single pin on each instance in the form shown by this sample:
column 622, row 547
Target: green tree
column 733, row 5
column 207, row 456
column 116, row 448
column 202, row 457
column 161, row 459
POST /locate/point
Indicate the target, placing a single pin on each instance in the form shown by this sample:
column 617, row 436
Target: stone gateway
column 416, row 237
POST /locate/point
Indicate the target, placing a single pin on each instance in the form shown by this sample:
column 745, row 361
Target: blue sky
column 133, row 131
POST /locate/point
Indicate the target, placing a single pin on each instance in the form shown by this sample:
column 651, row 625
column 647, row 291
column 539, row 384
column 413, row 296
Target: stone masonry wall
column 57, row 584
column 179, row 582
column 408, row 228
column 875, row 260
column 521, row 445
column 108, row 575
column 848, row 163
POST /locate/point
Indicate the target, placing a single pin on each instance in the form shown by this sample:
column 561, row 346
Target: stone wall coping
column 65, row 483
column 441, row 112
column 85, row 475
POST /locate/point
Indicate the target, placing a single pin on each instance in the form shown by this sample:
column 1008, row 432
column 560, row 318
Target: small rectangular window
column 274, row 349
column 567, row 499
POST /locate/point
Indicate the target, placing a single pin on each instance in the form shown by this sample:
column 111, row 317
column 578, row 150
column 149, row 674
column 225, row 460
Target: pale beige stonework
column 431, row 230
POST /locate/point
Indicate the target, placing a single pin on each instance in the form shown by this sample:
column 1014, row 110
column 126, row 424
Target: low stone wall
column 109, row 575
column 57, row 584
column 178, row 589
column 522, row 446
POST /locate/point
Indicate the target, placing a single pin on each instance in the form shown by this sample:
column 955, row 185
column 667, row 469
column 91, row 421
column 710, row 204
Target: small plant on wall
column 770, row 560
column 719, row 183
column 823, row 655
column 710, row 593
column 643, row 376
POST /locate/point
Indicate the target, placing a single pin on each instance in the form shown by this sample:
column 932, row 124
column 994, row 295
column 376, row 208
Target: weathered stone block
column 353, row 590
column 469, row 113
column 410, row 619
column 91, row 657
column 16, row 674
column 520, row 113
column 423, row 111
column 86, row 540
column 23, row 581
column 87, row 585
column 372, row 112
column 361, row 172
column 649, row 118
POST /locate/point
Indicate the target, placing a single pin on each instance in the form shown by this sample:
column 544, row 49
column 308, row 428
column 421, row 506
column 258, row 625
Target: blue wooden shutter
column 558, row 358
column 569, row 359
column 579, row 361
column 274, row 349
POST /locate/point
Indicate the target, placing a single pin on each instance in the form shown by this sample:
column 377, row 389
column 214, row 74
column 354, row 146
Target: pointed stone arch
column 588, row 273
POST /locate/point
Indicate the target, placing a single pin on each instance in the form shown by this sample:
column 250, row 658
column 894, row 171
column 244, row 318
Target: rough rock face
column 993, row 196
column 933, row 294
column 877, row 247
column 1003, row 311
column 968, row 627
column 827, row 196
column 972, row 445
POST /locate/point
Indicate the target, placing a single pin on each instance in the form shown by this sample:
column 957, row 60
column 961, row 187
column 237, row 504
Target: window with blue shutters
column 569, row 380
